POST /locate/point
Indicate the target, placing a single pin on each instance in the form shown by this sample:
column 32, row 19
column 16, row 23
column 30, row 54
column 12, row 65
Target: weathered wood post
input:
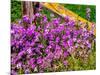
column 27, row 9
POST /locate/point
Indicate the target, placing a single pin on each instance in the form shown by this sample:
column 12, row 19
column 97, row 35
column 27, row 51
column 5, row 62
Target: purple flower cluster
column 38, row 47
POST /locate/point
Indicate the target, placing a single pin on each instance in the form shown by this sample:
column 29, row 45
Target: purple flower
column 64, row 37
column 44, row 19
column 19, row 65
column 30, row 30
column 57, row 54
column 49, row 47
column 37, row 14
column 58, row 47
column 27, row 71
column 37, row 50
column 40, row 46
column 50, row 55
column 71, row 23
column 31, row 61
column 33, row 66
column 65, row 62
column 64, row 43
column 70, row 42
column 39, row 61
column 74, row 39
column 12, row 31
column 79, row 40
column 26, row 19
column 57, row 40
column 88, row 44
column 56, row 21
column 47, row 51
column 67, row 32
column 29, row 50
column 67, row 18
column 21, row 53
column 66, row 54
column 13, row 72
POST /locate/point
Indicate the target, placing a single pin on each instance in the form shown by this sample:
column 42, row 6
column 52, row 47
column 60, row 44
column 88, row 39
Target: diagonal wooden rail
column 62, row 11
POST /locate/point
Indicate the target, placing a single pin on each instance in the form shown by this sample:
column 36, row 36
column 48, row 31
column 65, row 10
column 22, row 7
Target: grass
column 81, row 10
column 15, row 10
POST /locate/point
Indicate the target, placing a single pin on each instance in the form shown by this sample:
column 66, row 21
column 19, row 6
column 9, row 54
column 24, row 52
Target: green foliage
column 81, row 10
column 15, row 10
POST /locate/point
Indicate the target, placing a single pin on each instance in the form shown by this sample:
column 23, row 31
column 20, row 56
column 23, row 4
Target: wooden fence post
column 27, row 9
